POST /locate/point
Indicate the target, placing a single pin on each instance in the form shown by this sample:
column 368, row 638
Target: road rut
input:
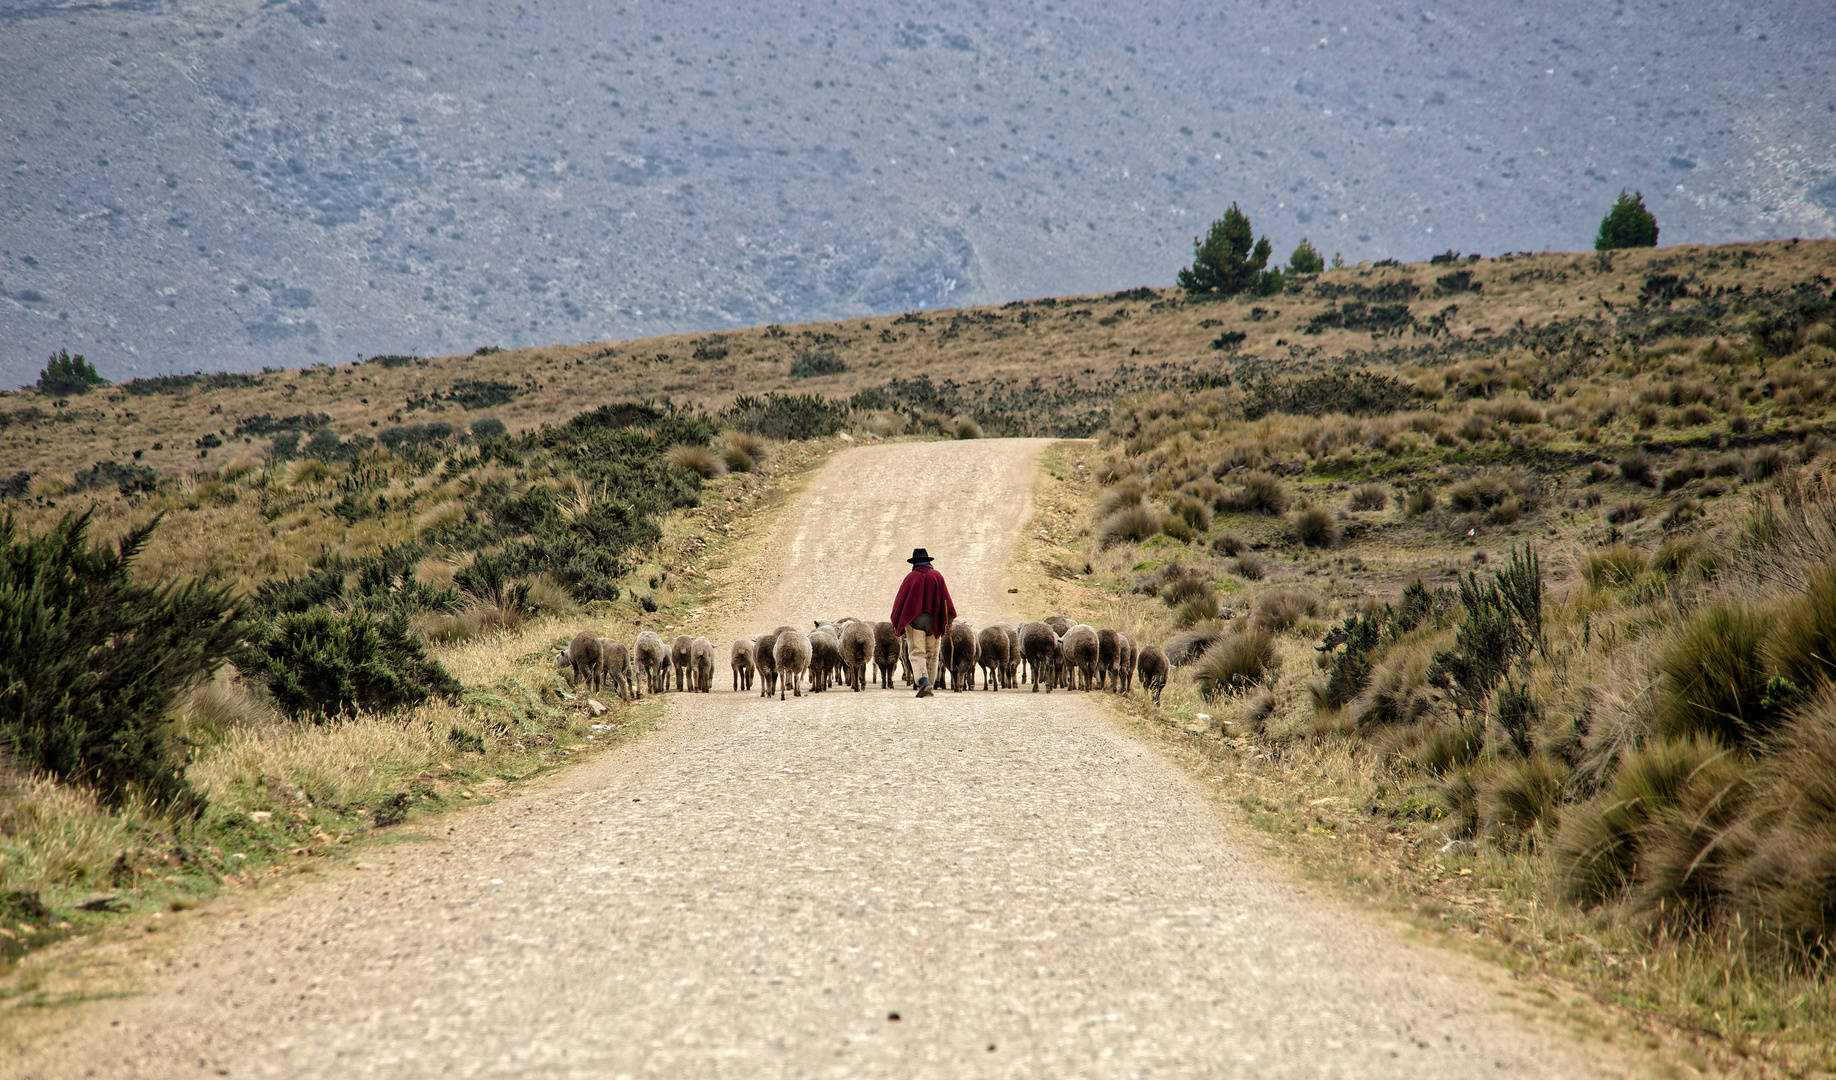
column 758, row 888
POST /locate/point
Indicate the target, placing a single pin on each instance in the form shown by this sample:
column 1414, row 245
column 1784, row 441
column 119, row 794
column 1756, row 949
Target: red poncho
column 923, row 590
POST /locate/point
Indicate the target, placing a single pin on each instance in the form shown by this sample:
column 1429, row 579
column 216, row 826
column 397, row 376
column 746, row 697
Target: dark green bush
column 811, row 363
column 1358, row 393
column 1627, row 225
column 322, row 664
column 66, row 375
column 91, row 662
column 126, row 477
column 488, row 427
column 1503, row 621
column 787, row 416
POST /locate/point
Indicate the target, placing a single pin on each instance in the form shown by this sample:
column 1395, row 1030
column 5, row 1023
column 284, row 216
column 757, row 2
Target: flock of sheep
column 1054, row 652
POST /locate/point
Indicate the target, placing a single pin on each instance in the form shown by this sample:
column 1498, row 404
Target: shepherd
column 922, row 613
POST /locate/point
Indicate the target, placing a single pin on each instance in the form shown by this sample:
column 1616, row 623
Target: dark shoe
column 924, row 686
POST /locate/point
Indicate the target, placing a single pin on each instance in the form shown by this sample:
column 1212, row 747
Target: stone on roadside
column 595, row 707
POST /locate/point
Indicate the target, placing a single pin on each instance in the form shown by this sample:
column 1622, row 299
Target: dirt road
column 759, row 888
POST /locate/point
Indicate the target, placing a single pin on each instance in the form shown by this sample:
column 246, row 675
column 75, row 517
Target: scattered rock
column 103, row 902
column 595, row 707
column 261, row 817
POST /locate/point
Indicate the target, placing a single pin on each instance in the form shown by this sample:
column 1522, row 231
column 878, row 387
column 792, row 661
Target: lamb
column 701, row 665
column 741, row 663
column 1040, row 646
column 856, row 653
column 1109, row 655
column 956, row 656
column 991, row 653
column 1152, row 665
column 1125, row 667
column 764, row 658
column 583, row 656
column 825, row 654
column 1080, row 647
column 652, row 657
column 1012, row 672
column 885, row 652
column 615, row 664
column 792, row 652
column 679, row 656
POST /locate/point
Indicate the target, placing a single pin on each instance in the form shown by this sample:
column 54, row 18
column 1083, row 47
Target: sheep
column 1125, row 667
column 583, row 655
column 885, row 652
column 564, row 666
column 1012, row 671
column 792, row 652
column 615, row 664
column 701, row 665
column 1152, row 665
column 1109, row 655
column 679, row 656
column 825, row 654
column 1058, row 623
column 652, row 658
column 956, row 656
column 991, row 653
column 741, row 663
column 857, row 652
column 1080, row 648
column 764, row 659
column 1040, row 645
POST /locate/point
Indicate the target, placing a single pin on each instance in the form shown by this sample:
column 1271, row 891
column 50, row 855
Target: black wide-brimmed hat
column 919, row 555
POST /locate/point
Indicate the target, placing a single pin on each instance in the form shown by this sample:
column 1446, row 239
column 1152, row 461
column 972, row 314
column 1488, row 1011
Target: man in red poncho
column 922, row 613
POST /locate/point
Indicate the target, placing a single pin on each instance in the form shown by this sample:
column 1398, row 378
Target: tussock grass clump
column 1199, row 609
column 1420, row 501
column 1228, row 544
column 1369, row 497
column 1131, row 525
column 1177, row 527
column 1251, row 566
column 1637, row 467
column 1520, row 796
column 1681, row 513
column 1194, row 512
column 1193, row 642
column 1626, row 511
column 1803, row 645
column 1597, row 846
column 1488, row 490
column 700, row 460
column 964, row 427
column 1315, row 527
column 1122, row 496
column 1278, row 610
column 1616, row 567
column 1256, row 493
column 1713, row 678
column 1239, row 661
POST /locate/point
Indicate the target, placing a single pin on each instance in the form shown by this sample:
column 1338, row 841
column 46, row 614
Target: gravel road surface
column 842, row 885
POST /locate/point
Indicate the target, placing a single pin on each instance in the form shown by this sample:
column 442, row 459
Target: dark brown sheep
column 857, row 652
column 1125, row 668
column 991, row 650
column 679, row 656
column 583, row 656
column 652, row 657
column 1059, row 624
column 885, row 652
column 1080, row 647
column 1109, row 656
column 825, row 655
column 1040, row 647
column 765, row 660
column 1012, row 672
column 792, row 652
column 741, row 662
column 1152, row 666
column 956, row 657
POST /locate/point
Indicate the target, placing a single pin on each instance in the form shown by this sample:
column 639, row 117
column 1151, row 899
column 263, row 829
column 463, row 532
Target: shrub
column 1712, row 678
column 1279, row 609
column 1370, row 497
column 1239, row 661
column 489, row 427
column 66, row 375
column 1420, row 501
column 1224, row 260
column 1627, row 225
column 1314, row 527
column 787, row 416
column 321, row 664
column 1306, row 259
column 1518, row 795
column 1356, row 393
column 1503, row 620
column 94, row 662
column 1260, row 493
column 811, row 363
column 700, row 460
column 1133, row 524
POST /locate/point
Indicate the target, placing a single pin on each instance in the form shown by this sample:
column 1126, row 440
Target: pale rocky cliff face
column 233, row 185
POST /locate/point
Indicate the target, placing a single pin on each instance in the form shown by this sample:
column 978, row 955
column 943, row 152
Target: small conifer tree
column 1225, row 261
column 1306, row 259
column 66, row 375
column 1627, row 225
